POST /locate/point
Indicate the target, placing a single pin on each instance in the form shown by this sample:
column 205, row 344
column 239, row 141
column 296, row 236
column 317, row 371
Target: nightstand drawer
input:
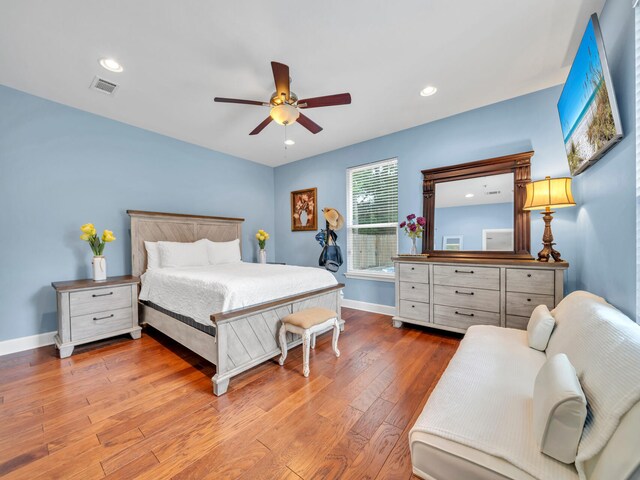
column 95, row 324
column 99, row 300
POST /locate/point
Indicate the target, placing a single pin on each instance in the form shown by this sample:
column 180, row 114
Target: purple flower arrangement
column 413, row 226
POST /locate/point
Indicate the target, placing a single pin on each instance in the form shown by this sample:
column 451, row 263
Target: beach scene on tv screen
column 584, row 106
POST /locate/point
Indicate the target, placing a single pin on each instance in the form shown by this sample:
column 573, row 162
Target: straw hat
column 333, row 217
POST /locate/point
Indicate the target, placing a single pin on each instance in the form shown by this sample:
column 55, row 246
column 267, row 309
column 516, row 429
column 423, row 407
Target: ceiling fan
column 285, row 106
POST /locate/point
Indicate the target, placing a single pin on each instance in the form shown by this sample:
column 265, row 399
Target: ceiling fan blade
column 326, row 101
column 260, row 127
column 236, row 100
column 309, row 124
column 281, row 77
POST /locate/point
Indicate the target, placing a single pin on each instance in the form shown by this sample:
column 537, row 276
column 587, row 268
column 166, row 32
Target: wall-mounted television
column 588, row 110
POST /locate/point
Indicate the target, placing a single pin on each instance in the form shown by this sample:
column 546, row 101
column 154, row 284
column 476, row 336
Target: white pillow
column 540, row 327
column 178, row 254
column 559, row 409
column 153, row 255
column 224, row 252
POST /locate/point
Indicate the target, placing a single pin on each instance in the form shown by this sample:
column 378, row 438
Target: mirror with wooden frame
column 475, row 210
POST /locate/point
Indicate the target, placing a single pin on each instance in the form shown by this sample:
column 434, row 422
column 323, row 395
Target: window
column 372, row 216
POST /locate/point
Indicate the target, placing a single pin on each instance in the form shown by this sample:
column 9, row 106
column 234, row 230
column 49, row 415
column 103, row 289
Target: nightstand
column 90, row 310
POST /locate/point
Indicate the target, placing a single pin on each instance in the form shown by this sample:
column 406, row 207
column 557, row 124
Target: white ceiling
column 178, row 55
column 485, row 190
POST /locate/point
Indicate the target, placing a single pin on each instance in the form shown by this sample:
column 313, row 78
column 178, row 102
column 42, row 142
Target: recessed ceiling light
column 428, row 91
column 469, row 195
column 111, row 65
column 289, row 142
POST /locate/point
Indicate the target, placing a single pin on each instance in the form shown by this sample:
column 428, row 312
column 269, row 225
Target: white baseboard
column 369, row 307
column 26, row 343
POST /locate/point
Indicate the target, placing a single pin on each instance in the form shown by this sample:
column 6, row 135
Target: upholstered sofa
column 478, row 421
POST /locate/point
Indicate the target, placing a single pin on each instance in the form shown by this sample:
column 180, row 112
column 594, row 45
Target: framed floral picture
column 303, row 210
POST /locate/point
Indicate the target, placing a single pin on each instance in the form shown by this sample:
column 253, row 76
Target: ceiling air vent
column 104, row 86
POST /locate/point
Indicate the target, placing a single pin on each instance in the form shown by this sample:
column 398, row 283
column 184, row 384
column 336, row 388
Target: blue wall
column 61, row 167
column 469, row 221
column 605, row 193
column 525, row 123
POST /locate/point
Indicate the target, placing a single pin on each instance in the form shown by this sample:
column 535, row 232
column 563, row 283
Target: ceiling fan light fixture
column 285, row 114
column 111, row 65
column 289, row 142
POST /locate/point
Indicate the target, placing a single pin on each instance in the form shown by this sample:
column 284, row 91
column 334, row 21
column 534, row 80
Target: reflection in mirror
column 475, row 214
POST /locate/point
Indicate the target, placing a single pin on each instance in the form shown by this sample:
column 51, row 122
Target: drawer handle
column 102, row 294
column 464, row 293
column 528, row 299
column 412, row 268
column 463, row 271
column 413, row 287
column 529, row 275
column 413, row 306
column 102, row 318
column 465, row 314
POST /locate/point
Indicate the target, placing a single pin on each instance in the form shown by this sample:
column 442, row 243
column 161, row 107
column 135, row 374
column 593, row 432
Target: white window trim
column 364, row 274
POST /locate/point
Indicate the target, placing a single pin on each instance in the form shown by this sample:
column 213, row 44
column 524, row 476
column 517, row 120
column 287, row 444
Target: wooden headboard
column 176, row 227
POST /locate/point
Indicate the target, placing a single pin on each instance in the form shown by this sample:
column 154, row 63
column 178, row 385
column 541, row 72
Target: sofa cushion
column 603, row 345
column 559, row 409
column 540, row 327
column 484, row 400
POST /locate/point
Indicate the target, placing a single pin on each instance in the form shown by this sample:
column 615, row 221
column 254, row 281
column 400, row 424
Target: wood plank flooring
column 144, row 409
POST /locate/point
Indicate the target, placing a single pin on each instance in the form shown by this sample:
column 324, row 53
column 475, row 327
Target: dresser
column 456, row 294
column 90, row 310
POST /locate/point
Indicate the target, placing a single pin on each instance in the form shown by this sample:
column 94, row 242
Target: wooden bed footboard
column 245, row 337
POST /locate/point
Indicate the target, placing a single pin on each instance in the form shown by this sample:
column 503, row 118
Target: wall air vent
column 104, row 86
column 493, row 192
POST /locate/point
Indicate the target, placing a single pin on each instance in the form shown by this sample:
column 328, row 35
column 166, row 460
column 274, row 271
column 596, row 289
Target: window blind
column 372, row 214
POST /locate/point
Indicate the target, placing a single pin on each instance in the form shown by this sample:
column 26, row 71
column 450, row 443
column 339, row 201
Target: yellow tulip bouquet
column 262, row 237
column 96, row 243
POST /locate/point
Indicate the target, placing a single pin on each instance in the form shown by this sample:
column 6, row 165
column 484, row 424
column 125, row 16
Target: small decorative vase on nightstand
column 262, row 257
column 414, row 249
column 99, row 268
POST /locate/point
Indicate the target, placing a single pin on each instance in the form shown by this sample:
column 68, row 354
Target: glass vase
column 414, row 248
column 263, row 256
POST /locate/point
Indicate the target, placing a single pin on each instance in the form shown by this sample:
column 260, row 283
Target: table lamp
column 545, row 195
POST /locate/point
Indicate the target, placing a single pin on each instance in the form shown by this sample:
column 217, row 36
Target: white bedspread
column 198, row 292
column 484, row 401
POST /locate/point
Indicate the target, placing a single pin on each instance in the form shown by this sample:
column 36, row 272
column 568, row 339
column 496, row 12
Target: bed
column 243, row 333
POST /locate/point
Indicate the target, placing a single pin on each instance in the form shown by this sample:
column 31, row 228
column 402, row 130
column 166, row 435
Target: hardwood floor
column 145, row 409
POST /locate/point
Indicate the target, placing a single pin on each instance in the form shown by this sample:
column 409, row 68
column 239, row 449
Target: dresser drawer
column 463, row 317
column 95, row 324
column 530, row 281
column 99, row 300
column 522, row 304
column 517, row 322
column 418, row 292
column 412, row 272
column 414, row 310
column 467, row 276
column 473, row 298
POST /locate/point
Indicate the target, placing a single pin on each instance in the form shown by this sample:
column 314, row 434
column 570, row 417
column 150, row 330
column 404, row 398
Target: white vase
column 99, row 268
column 262, row 256
column 414, row 249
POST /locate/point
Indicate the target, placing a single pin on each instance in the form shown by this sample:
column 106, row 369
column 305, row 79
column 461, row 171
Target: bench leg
column 313, row 340
column 306, row 343
column 336, row 334
column 283, row 344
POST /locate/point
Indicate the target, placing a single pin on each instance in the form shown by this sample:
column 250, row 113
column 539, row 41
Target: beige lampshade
column 550, row 192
